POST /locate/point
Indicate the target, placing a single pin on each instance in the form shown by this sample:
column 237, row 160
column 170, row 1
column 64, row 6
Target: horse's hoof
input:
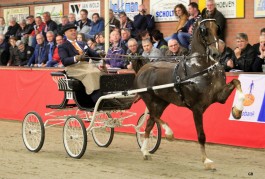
column 209, row 165
column 147, row 157
column 236, row 113
column 170, row 137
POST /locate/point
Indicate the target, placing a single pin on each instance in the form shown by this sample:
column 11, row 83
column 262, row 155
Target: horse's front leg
column 225, row 93
column 198, row 115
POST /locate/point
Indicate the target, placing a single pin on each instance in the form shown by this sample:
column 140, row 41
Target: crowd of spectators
column 36, row 41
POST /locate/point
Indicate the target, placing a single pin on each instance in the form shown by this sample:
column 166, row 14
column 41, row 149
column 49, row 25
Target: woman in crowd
column 81, row 37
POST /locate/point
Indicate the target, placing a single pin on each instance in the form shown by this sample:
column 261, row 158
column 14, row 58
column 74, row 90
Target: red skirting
column 24, row 90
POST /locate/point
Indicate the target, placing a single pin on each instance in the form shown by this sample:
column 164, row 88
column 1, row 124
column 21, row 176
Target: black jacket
column 225, row 56
column 144, row 22
column 11, row 31
column 23, row 57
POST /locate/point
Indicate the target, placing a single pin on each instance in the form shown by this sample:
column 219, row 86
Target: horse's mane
column 194, row 25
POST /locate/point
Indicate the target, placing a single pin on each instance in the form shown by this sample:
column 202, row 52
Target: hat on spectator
column 67, row 27
column 30, row 16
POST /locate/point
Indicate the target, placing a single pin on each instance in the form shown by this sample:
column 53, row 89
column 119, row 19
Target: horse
column 199, row 81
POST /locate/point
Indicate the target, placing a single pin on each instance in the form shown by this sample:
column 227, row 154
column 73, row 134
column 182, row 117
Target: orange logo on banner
column 249, row 98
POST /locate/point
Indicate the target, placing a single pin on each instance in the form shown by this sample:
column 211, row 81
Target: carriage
column 99, row 119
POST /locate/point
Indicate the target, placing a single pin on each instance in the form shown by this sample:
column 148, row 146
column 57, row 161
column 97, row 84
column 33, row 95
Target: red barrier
column 24, row 90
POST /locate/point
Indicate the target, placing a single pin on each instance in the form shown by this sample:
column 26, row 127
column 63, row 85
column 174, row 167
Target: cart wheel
column 155, row 135
column 33, row 132
column 101, row 134
column 74, row 137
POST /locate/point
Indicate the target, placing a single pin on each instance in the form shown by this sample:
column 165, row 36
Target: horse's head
column 205, row 36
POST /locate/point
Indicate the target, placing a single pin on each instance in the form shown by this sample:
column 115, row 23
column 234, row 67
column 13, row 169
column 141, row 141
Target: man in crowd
column 151, row 52
column 260, row 58
column 37, row 30
column 49, row 49
column 133, row 51
column 50, row 24
column 28, row 33
column 38, row 58
column 174, row 49
column 244, row 53
column 257, row 45
column 126, row 23
column 211, row 12
column 143, row 21
column 12, row 29
column 113, row 22
column 4, row 50
column 73, row 57
column 84, row 24
column 97, row 26
column 226, row 54
column 55, row 60
column 125, row 36
column 64, row 21
column 72, row 19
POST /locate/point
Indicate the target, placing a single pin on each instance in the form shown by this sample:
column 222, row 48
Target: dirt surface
column 122, row 159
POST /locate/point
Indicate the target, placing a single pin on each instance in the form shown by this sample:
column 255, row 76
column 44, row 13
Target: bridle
column 203, row 32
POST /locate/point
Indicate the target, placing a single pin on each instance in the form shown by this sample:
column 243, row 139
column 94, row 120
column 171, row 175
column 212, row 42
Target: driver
column 73, row 54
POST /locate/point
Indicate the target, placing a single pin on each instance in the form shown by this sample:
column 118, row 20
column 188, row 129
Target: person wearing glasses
column 174, row 49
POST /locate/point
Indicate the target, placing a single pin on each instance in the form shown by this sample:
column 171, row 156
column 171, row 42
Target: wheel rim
column 74, row 137
column 102, row 135
column 153, row 137
column 32, row 132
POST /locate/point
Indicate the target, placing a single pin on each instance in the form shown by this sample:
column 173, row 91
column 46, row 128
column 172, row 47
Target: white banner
column 163, row 10
column 91, row 6
column 254, row 103
column 56, row 11
column 18, row 13
column 130, row 7
column 227, row 7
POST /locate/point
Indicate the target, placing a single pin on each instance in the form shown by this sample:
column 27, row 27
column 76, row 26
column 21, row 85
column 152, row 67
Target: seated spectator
column 37, row 30
column 126, row 23
column 84, row 24
column 38, row 58
column 50, row 25
column 12, row 29
column 56, row 60
column 158, row 38
column 97, row 26
column 23, row 54
column 256, row 46
column 211, row 12
column 100, row 42
column 260, row 59
column 244, row 53
column 81, row 37
column 91, row 43
column 72, row 19
column 21, row 31
column 29, row 31
column 4, row 50
column 143, row 21
column 113, row 22
column 64, row 21
column 174, row 49
column 12, row 51
column 114, row 58
column 151, row 52
column 184, row 34
column 49, row 49
column 226, row 54
column 133, row 51
column 125, row 36
column 3, row 26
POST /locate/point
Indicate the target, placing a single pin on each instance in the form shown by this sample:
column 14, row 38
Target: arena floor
column 122, row 159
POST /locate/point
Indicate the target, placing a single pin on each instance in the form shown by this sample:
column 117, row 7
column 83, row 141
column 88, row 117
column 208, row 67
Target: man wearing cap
column 75, row 57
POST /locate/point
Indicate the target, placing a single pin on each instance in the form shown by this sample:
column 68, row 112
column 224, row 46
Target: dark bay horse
column 199, row 82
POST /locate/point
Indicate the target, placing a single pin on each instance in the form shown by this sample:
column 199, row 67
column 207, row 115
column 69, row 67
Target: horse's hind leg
column 225, row 93
column 198, row 119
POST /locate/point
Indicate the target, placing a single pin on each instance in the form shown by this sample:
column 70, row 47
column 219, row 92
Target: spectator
column 84, row 24
column 113, row 22
column 12, row 51
column 174, row 49
column 226, row 54
column 126, row 23
column 38, row 58
column 12, row 29
column 158, row 38
column 72, row 19
column 37, row 30
column 184, row 34
column 72, row 54
column 81, row 37
column 49, row 49
column 97, row 25
column 64, row 21
column 125, row 36
column 91, row 43
column 29, row 31
column 211, row 12
column 143, row 21
column 21, row 31
column 151, row 52
column 133, row 51
column 3, row 26
column 100, row 43
column 4, row 50
column 256, row 46
column 50, row 25
column 244, row 53
column 115, row 52
column 55, row 59
column 260, row 59
column 23, row 54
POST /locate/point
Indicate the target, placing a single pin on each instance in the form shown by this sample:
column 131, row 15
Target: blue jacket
column 38, row 50
column 144, row 22
column 97, row 27
column 114, row 57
